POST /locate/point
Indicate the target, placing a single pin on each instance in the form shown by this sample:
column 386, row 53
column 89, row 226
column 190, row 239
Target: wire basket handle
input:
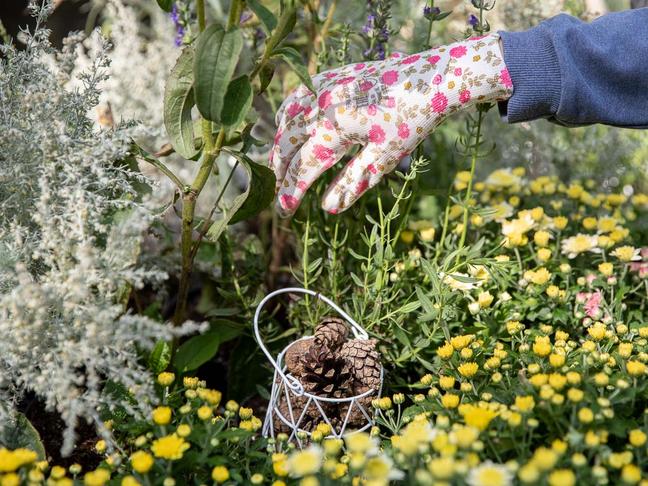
column 293, row 382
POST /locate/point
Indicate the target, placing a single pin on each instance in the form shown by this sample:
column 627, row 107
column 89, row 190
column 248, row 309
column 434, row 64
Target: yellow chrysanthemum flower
column 170, row 447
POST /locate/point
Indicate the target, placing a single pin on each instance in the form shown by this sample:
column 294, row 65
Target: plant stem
column 431, row 21
column 211, row 150
column 473, row 163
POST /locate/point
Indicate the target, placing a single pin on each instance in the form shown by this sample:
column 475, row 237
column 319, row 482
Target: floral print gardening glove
column 388, row 107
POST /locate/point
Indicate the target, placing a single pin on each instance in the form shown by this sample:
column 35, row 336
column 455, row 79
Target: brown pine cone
column 294, row 354
column 332, row 332
column 325, row 373
column 365, row 361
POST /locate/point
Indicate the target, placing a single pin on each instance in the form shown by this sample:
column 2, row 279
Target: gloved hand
column 388, row 107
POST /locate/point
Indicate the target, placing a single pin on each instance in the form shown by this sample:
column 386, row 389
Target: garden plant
column 501, row 272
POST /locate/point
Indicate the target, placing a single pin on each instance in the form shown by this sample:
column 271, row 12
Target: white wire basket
column 287, row 387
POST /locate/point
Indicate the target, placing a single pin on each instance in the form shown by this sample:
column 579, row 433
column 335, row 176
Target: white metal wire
column 286, row 386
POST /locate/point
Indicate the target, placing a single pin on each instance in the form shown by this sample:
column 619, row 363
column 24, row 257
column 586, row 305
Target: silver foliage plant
column 70, row 233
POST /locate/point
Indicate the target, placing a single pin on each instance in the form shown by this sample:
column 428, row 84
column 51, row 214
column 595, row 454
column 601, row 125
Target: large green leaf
column 178, row 101
column 294, row 60
column 19, row 432
column 238, row 102
column 196, row 351
column 165, row 5
column 217, row 53
column 267, row 18
column 257, row 196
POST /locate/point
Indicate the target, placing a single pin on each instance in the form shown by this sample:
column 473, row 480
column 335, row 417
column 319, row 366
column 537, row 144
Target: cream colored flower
column 581, row 243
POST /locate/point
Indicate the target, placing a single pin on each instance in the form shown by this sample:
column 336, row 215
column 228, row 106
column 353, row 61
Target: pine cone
column 365, row 362
column 294, row 354
column 332, row 332
column 325, row 374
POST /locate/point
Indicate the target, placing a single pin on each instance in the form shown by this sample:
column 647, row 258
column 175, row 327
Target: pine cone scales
column 365, row 361
column 332, row 332
column 325, row 373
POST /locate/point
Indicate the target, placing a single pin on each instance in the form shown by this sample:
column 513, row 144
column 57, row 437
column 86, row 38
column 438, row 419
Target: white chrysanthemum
column 502, row 178
column 489, row 474
column 581, row 243
column 518, row 226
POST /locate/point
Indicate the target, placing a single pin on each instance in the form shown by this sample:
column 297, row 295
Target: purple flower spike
column 473, row 20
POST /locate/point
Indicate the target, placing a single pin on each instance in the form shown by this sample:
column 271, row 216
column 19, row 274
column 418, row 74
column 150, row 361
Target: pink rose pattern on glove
column 388, row 107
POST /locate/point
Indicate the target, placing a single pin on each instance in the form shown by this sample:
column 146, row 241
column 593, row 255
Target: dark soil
column 50, row 426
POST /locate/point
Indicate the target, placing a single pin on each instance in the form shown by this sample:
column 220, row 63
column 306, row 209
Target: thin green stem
column 473, row 163
column 165, row 170
column 211, row 151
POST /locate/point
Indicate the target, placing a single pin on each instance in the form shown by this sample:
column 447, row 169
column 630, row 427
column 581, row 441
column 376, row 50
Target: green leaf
column 19, row 432
column 294, row 60
column 257, row 196
column 217, row 53
column 160, row 357
column 196, row 351
column 265, row 76
column 178, row 101
column 261, row 188
column 286, row 25
column 267, row 18
column 238, row 101
column 165, row 5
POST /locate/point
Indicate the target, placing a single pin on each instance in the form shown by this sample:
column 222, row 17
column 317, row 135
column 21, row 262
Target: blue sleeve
column 576, row 73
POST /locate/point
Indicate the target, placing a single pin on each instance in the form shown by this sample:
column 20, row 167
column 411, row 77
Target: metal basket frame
column 285, row 383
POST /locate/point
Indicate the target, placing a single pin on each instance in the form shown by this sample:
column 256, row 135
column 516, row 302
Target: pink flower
column 278, row 136
column 390, row 102
column 390, row 77
column 330, row 75
column 464, row 96
column 307, row 110
column 376, row 134
column 437, row 79
column 458, row 51
column 411, row 59
column 328, row 124
column 332, row 211
column 403, row 130
column 366, row 85
column 477, row 37
column 582, row 297
column 457, row 72
column 592, row 305
column 371, row 70
column 346, row 80
column 302, row 185
column 372, row 168
column 371, row 110
column 321, row 152
column 359, row 66
column 294, row 109
column 325, row 100
column 395, row 55
column 289, row 202
column 362, row 186
column 505, row 78
column 433, row 59
column 439, row 103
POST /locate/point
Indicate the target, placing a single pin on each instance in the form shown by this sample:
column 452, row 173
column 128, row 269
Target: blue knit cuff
column 533, row 65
